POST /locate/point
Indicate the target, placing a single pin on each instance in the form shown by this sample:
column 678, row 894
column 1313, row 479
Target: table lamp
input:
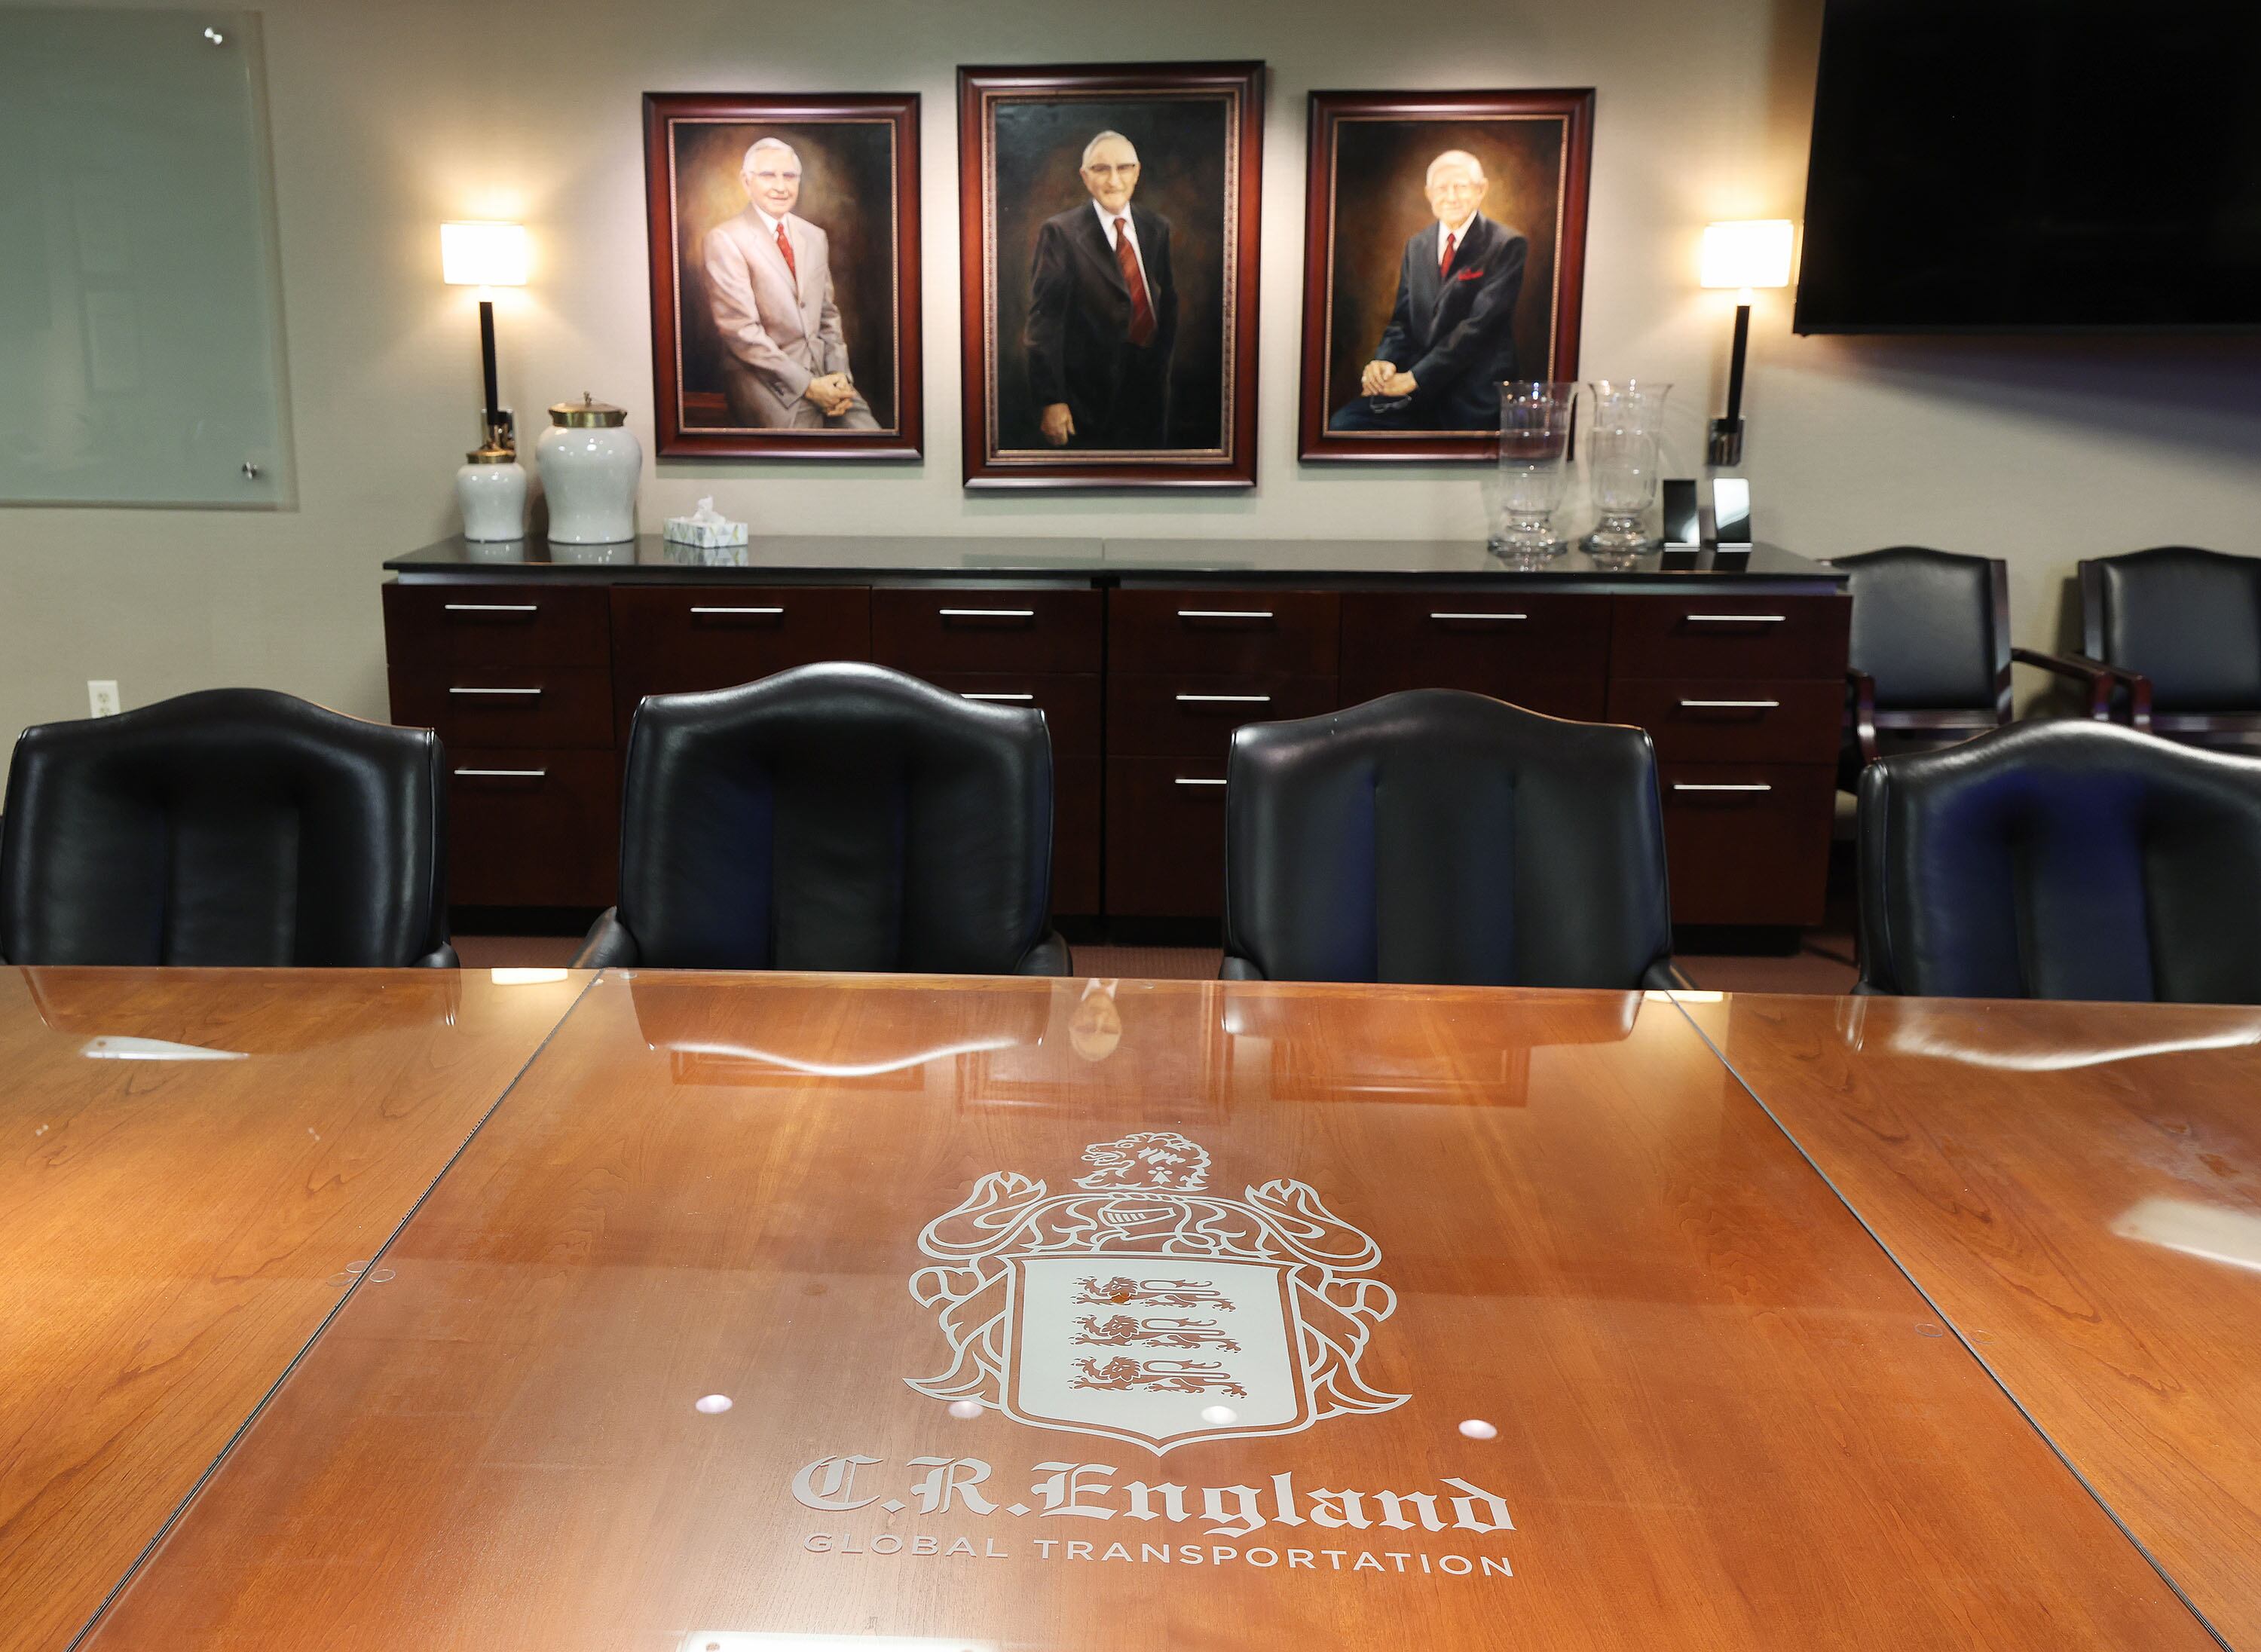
column 485, row 256
column 1753, row 253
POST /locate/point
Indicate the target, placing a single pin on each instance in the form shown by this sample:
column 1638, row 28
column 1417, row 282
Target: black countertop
column 1350, row 563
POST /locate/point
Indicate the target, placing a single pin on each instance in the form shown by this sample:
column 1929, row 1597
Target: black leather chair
column 2062, row 860
column 1930, row 651
column 237, row 826
column 1444, row 838
column 834, row 817
column 2181, row 628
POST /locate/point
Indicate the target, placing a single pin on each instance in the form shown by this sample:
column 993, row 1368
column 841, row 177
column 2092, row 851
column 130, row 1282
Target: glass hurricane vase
column 1535, row 437
column 1621, row 457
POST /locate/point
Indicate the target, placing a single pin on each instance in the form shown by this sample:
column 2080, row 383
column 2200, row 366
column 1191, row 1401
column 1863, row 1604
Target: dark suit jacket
column 1455, row 332
column 1078, row 330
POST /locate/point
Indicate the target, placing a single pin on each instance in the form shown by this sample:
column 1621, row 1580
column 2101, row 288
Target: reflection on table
column 801, row 1307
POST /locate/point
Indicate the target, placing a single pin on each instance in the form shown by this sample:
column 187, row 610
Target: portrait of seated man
column 1450, row 342
column 1102, row 318
column 769, row 284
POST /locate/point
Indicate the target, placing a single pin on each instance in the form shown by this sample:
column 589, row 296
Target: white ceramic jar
column 591, row 466
column 490, row 488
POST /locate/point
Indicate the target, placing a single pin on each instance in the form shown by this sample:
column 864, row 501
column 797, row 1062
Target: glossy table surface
column 2077, row 1188
column 198, row 1164
column 1022, row 1313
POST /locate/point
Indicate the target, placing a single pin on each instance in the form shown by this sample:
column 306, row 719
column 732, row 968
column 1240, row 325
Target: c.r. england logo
column 1148, row 1310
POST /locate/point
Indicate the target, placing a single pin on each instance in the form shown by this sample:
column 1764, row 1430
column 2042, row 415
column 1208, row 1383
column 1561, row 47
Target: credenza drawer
column 1166, row 836
column 533, row 826
column 1078, row 816
column 441, row 625
column 1181, row 714
column 1729, row 636
column 1734, row 719
column 1747, row 842
column 676, row 640
column 981, row 629
column 1473, row 639
column 1293, row 633
column 506, row 705
column 1070, row 705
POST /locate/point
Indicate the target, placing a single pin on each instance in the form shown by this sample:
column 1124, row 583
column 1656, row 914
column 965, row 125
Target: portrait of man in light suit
column 769, row 285
column 1450, row 342
column 1102, row 318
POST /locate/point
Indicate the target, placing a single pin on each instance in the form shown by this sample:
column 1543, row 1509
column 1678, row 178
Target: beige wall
column 388, row 117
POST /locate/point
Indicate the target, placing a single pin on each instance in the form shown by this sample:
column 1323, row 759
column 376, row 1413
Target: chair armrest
column 2101, row 681
column 1240, row 969
column 1664, row 976
column 1047, row 957
column 441, row 956
column 1864, row 715
column 608, row 943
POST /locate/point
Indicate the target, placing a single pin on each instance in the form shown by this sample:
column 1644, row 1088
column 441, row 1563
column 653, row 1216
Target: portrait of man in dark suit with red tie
column 1102, row 311
column 1109, row 239
column 1444, row 258
column 1450, row 343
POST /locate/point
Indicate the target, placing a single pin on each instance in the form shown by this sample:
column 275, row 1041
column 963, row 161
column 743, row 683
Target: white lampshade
column 1752, row 253
column 483, row 254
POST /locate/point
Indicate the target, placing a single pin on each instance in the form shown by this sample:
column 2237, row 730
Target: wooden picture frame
column 1060, row 388
column 1376, row 160
column 715, row 272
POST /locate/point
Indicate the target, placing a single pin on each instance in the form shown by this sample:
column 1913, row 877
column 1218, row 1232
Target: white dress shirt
column 1130, row 228
column 771, row 226
column 1460, row 234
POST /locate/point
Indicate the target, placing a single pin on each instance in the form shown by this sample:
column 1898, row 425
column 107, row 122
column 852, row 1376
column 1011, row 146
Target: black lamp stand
column 500, row 431
column 1726, row 445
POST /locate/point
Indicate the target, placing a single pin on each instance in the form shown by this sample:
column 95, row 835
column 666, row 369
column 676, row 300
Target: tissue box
column 686, row 530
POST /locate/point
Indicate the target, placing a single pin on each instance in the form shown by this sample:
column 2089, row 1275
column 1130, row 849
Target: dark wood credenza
column 1143, row 656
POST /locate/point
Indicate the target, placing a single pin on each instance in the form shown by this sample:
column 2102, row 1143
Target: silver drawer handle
column 493, row 608
column 996, row 696
column 494, row 691
column 1731, row 705
column 503, row 774
column 1479, row 617
column 987, row 613
column 1225, row 613
column 1719, row 786
column 1224, row 699
column 737, row 610
column 1737, row 618
column 1182, row 782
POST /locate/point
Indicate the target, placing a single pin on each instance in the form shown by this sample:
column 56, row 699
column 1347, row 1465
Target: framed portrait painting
column 1108, row 222
column 785, row 274
column 1445, row 254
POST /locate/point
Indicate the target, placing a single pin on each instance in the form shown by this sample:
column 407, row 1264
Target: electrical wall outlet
column 101, row 697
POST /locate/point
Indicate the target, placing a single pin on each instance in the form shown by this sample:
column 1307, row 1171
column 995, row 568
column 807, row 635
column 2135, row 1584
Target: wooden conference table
column 799, row 1312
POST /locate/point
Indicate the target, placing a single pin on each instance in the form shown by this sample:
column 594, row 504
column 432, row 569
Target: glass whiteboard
column 140, row 325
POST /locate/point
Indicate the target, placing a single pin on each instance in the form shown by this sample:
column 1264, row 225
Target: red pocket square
column 1470, row 275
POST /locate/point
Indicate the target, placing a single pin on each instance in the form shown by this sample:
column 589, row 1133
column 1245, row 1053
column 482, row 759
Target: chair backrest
column 2189, row 620
column 1445, row 837
column 1932, row 628
column 837, row 817
column 236, row 826
column 2062, row 860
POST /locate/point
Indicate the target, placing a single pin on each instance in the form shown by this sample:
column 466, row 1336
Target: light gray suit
column 778, row 333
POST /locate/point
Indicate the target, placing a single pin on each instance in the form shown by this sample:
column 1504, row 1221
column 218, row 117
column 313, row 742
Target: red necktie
column 784, row 246
column 1142, row 308
column 1443, row 264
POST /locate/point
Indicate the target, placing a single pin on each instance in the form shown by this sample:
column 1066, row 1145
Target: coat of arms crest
column 1147, row 1310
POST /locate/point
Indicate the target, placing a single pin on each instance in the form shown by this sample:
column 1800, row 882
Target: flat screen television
column 2034, row 165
